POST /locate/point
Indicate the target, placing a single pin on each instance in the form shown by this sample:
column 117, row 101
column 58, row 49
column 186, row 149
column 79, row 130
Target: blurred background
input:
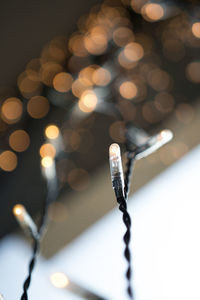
column 76, row 77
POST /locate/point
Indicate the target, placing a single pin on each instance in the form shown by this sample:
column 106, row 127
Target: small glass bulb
column 116, row 170
column 25, row 220
column 155, row 142
column 48, row 167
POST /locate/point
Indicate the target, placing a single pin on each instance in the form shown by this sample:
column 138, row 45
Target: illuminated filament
column 155, row 142
column 116, row 170
column 25, row 220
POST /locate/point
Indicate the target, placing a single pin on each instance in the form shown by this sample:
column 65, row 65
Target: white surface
column 165, row 246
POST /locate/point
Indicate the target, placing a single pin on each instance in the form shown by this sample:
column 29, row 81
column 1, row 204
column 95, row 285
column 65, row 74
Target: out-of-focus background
column 75, row 77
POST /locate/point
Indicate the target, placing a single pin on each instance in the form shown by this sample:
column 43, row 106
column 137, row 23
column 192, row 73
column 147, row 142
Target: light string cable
column 120, row 193
column 29, row 226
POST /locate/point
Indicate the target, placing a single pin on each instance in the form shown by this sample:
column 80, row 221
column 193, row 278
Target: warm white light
column 156, row 142
column 116, row 170
column 59, row 280
column 25, row 220
column 48, row 167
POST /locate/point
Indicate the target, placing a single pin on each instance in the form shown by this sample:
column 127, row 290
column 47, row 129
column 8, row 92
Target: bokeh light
column 59, row 280
column 62, row 82
column 38, row 107
column 19, row 140
column 52, row 132
column 193, row 71
column 164, row 102
column 128, row 90
column 78, row 179
column 8, row 161
column 134, row 52
column 101, row 77
column 47, row 150
column 48, row 71
column 196, row 29
column 123, row 36
column 152, row 11
column 88, row 101
column 11, row 110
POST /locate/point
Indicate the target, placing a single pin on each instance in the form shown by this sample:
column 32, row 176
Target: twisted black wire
column 126, row 218
column 52, row 192
column 126, row 238
column 30, row 270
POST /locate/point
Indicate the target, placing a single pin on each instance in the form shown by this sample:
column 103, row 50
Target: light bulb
column 48, row 167
column 116, row 170
column 154, row 143
column 25, row 220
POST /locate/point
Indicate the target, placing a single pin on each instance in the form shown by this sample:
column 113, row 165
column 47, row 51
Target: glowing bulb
column 25, row 220
column 154, row 143
column 48, row 167
column 59, row 280
column 116, row 170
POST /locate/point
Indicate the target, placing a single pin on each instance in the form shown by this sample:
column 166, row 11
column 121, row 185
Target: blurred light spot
column 159, row 80
column 78, row 179
column 19, row 140
column 59, row 280
column 64, row 166
column 117, row 131
column 78, row 87
column 52, row 132
column 85, row 75
column 58, row 212
column 8, row 161
column 47, row 150
column 152, row 11
column 62, row 82
column 127, row 109
column 180, row 149
column 11, row 110
column 48, row 71
column 71, row 140
column 101, row 77
column 122, row 36
column 193, row 72
column 128, row 90
column 47, row 161
column 185, row 113
column 88, row 101
column 125, row 62
column 133, row 52
column 55, row 51
column 137, row 5
column 150, row 113
column 76, row 45
column 38, row 107
column 196, row 29
column 166, row 155
column 29, row 84
column 164, row 102
column 96, row 41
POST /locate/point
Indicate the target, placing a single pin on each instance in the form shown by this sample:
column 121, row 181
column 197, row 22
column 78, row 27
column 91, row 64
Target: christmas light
column 25, row 220
column 154, row 143
column 116, row 170
column 48, row 167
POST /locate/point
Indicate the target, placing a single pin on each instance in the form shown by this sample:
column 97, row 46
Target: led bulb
column 48, row 167
column 154, row 143
column 116, row 170
column 25, row 220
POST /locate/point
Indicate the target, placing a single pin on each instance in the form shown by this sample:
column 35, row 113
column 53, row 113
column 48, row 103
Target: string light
column 59, row 280
column 25, row 220
column 116, row 170
column 154, row 143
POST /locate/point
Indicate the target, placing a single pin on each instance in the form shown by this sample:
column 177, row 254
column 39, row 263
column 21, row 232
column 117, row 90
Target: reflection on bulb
column 116, row 170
